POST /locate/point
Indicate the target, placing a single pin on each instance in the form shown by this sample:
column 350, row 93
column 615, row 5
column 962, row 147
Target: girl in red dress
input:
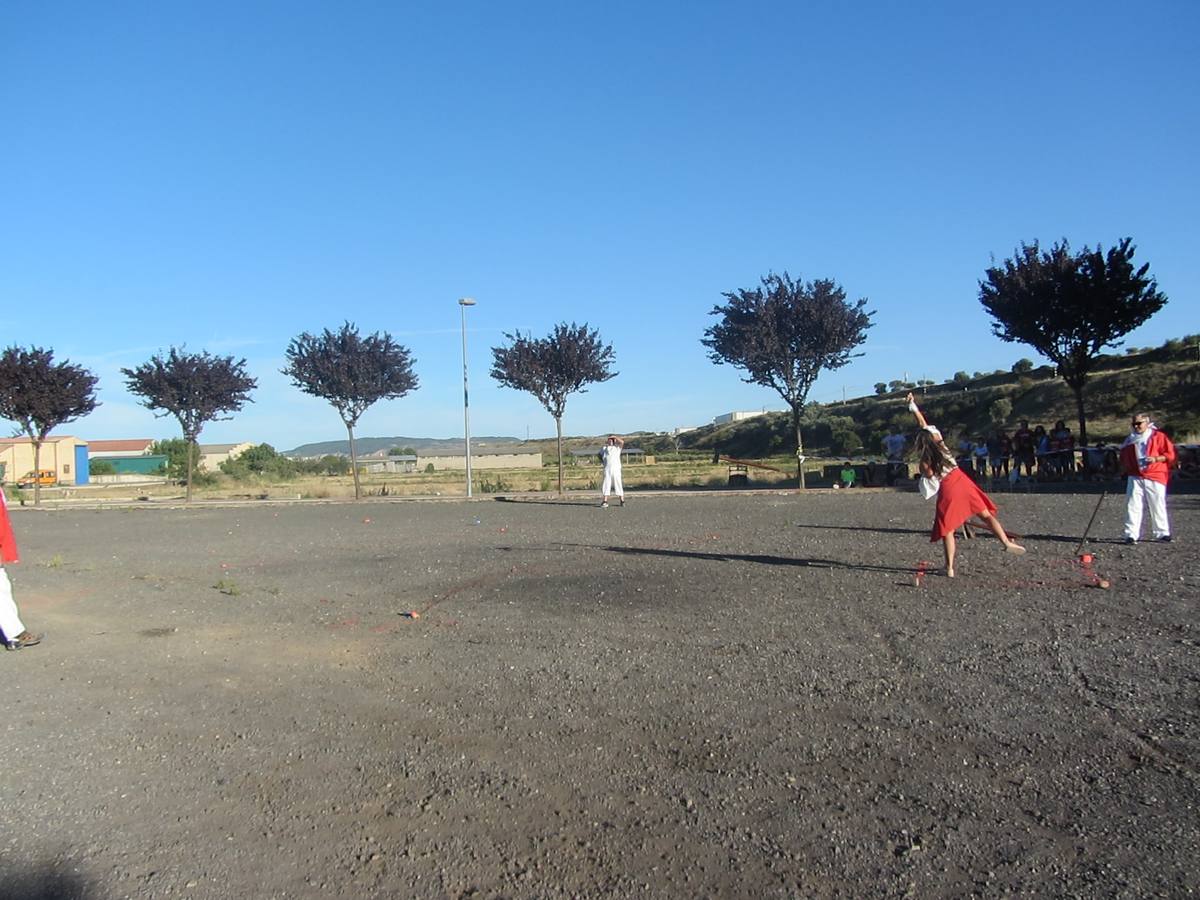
column 13, row 635
column 958, row 497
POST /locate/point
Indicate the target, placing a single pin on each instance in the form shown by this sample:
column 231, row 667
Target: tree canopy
column 40, row 395
column 784, row 333
column 195, row 388
column 1070, row 306
column 352, row 372
column 552, row 368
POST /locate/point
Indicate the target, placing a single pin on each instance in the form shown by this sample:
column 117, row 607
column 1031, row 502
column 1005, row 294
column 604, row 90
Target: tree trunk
column 799, row 447
column 37, row 472
column 354, row 462
column 558, row 426
column 1082, row 417
column 191, row 442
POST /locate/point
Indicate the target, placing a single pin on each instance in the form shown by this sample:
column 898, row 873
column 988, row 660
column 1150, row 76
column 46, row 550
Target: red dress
column 958, row 499
column 8, row 543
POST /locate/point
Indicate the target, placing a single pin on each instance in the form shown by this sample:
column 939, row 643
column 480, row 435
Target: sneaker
column 623, row 503
column 24, row 639
column 1165, row 539
column 1129, row 540
column 604, row 505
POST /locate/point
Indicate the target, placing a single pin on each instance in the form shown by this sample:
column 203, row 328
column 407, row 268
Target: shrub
column 844, row 441
column 493, row 487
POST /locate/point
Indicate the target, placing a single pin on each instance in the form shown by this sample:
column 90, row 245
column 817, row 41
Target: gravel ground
column 691, row 696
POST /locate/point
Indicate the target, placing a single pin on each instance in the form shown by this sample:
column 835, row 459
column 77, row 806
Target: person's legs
column 605, row 487
column 1156, row 502
column 998, row 530
column 618, row 487
column 950, row 546
column 1134, row 499
column 10, row 619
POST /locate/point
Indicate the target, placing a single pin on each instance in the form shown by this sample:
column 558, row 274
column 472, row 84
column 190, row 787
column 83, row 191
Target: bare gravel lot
column 691, row 696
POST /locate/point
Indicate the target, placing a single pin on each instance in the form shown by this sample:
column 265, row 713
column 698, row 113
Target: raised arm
column 916, row 410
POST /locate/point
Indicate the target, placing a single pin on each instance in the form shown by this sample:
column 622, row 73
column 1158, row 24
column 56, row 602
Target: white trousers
column 1144, row 493
column 612, row 482
column 10, row 619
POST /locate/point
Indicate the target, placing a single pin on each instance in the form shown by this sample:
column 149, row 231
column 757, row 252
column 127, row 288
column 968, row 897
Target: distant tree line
column 782, row 333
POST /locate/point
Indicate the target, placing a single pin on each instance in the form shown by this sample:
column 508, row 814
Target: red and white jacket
column 8, row 543
column 1157, row 445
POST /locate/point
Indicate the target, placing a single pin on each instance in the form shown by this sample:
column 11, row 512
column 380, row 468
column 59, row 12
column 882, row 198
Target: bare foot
column 1014, row 548
column 949, row 573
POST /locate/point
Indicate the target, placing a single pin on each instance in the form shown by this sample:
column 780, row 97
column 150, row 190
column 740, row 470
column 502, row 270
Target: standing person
column 1147, row 457
column 12, row 631
column 997, row 449
column 1023, row 448
column 1041, row 449
column 611, row 457
column 893, row 448
column 981, row 457
column 1064, row 443
column 966, row 453
column 958, row 497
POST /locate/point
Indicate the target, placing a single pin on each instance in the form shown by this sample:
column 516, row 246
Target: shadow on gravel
column 762, row 559
column 1070, row 539
column 823, row 527
column 47, row 882
column 547, row 502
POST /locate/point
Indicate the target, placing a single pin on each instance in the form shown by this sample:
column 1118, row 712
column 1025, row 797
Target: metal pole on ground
column 1103, row 494
column 463, row 303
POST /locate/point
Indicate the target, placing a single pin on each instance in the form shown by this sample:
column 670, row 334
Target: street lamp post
column 463, row 303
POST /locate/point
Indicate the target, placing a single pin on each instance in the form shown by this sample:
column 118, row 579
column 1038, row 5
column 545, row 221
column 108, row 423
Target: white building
column 212, row 455
column 738, row 416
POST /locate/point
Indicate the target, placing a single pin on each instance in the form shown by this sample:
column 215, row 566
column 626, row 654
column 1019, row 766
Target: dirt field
column 691, row 696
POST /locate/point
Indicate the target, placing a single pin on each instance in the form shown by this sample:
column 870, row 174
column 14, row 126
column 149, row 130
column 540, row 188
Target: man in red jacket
column 1147, row 457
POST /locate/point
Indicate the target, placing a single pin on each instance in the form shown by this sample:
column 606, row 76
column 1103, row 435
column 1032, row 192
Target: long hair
column 932, row 452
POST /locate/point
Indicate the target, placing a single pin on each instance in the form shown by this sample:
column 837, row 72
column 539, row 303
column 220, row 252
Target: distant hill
column 1164, row 381
column 423, row 446
column 485, row 444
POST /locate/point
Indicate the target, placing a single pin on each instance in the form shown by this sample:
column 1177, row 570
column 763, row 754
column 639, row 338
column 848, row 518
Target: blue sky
column 224, row 176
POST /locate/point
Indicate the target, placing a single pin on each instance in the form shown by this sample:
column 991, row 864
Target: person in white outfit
column 610, row 454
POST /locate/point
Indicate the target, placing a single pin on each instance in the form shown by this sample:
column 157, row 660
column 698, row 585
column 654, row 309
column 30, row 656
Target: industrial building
column 64, row 455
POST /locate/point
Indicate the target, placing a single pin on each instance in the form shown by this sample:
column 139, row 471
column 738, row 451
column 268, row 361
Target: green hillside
column 1164, row 381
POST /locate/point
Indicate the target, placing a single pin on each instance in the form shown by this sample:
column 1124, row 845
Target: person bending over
column 958, row 497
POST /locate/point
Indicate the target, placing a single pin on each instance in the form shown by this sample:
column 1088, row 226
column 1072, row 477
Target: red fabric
column 1158, row 445
column 8, row 541
column 958, row 499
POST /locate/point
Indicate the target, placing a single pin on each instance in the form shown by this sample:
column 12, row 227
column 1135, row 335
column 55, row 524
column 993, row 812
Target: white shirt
column 612, row 458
